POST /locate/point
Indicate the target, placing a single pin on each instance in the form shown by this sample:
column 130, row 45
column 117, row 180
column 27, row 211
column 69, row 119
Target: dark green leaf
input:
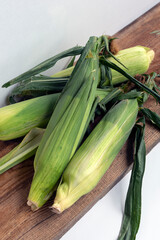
column 109, row 75
column 132, row 212
column 39, row 86
column 103, row 75
column 113, row 94
column 11, row 100
column 152, row 116
column 128, row 76
column 132, row 94
column 71, row 62
column 45, row 65
column 155, row 85
column 106, row 42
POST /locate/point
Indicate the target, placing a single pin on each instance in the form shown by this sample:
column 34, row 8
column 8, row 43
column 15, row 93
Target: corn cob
column 66, row 126
column 96, row 154
column 18, row 119
column 136, row 60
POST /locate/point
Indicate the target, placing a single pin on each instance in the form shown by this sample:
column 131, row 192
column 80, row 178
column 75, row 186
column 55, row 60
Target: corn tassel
column 66, row 126
column 96, row 154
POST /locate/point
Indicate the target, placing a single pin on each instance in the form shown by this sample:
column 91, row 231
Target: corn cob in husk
column 18, row 119
column 136, row 60
column 66, row 126
column 96, row 154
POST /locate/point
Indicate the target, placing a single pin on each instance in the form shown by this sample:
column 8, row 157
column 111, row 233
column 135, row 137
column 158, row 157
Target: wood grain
column 16, row 219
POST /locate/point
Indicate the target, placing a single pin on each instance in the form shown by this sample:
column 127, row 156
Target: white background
column 34, row 30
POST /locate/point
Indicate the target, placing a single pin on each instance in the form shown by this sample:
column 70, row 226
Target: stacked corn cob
column 68, row 115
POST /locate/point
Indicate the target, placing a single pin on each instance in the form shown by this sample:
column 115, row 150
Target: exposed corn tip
column 96, row 154
column 66, row 126
column 18, row 119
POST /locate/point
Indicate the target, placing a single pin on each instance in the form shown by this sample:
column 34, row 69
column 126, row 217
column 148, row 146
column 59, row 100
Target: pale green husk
column 136, row 60
column 96, row 154
column 31, row 141
column 66, row 126
column 22, row 151
column 18, row 119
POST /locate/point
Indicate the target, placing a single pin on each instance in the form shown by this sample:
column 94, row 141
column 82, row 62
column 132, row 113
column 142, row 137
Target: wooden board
column 16, row 219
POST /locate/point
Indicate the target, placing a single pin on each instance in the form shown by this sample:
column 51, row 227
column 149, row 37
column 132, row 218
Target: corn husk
column 66, row 126
column 27, row 148
column 24, row 150
column 18, row 119
column 96, row 154
column 136, row 60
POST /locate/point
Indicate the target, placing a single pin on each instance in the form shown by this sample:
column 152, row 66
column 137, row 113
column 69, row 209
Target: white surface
column 34, row 30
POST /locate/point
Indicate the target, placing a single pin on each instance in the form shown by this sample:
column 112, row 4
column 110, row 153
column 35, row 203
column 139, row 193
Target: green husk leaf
column 22, row 151
column 67, row 124
column 113, row 94
column 40, row 84
column 71, row 62
column 152, row 116
column 106, row 43
column 103, row 75
column 109, row 75
column 45, row 65
column 12, row 100
column 132, row 94
column 132, row 79
column 132, row 212
column 96, row 154
column 90, row 118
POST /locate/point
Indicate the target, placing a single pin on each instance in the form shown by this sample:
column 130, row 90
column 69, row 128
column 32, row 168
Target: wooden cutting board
column 16, row 219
